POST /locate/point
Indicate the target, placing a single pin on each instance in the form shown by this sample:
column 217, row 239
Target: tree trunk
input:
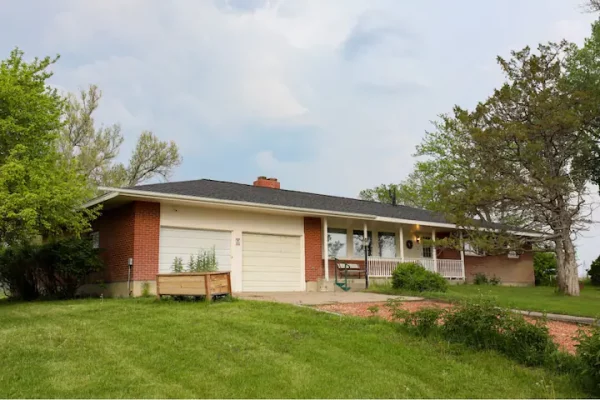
column 566, row 271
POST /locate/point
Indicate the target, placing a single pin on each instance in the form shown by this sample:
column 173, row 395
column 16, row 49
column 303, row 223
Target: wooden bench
column 352, row 269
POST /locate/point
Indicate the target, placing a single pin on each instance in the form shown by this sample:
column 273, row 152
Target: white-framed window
column 337, row 243
column 427, row 251
column 471, row 250
column 359, row 246
column 95, row 236
column 387, row 244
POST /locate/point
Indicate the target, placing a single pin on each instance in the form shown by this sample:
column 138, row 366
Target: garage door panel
column 271, row 263
column 273, row 247
column 201, row 243
column 179, row 242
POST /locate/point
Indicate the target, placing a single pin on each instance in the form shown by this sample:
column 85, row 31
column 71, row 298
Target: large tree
column 40, row 191
column 96, row 148
column 521, row 157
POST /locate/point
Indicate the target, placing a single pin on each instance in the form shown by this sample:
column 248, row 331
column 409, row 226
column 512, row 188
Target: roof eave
column 114, row 192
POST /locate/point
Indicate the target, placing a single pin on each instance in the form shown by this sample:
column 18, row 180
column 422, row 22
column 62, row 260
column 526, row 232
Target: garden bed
column 563, row 333
column 206, row 284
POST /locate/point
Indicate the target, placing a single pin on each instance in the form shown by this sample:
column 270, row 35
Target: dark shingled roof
column 289, row 198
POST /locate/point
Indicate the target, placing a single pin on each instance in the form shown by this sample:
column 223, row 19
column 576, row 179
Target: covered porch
column 389, row 243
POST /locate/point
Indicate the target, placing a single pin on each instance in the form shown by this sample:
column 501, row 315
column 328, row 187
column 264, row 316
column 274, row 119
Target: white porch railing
column 383, row 267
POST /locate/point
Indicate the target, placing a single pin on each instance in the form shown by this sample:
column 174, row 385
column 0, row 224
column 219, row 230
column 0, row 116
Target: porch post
column 462, row 254
column 325, row 250
column 366, row 249
column 401, row 236
column 433, row 252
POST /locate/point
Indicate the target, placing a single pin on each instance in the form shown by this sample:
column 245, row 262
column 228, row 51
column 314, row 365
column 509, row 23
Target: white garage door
column 177, row 242
column 271, row 263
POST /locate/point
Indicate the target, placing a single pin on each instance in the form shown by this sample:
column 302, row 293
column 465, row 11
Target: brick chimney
column 263, row 181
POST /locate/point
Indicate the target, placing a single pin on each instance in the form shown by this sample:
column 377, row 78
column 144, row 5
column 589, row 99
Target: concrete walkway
column 560, row 317
column 318, row 298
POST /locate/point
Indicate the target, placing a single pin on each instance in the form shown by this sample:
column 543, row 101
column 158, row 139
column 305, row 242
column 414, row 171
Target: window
column 387, row 244
column 471, row 250
column 427, row 253
column 359, row 246
column 336, row 243
column 95, row 236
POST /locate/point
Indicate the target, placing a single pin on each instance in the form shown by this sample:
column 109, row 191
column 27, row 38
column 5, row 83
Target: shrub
column 588, row 353
column 483, row 325
column 177, row 266
column 204, row 261
column 424, row 321
column 495, row 281
column 527, row 343
column 480, row 279
column 544, row 267
column 594, row 272
column 413, row 277
column 55, row 269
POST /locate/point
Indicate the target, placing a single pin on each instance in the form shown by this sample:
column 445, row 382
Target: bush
column 588, row 353
column 594, row 272
column 413, row 277
column 480, row 279
column 495, row 281
column 424, row 321
column 544, row 267
column 204, row 261
column 483, row 325
column 55, row 269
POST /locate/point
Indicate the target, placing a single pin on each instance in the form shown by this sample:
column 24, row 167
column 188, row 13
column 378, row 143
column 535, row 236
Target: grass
column 147, row 348
column 539, row 298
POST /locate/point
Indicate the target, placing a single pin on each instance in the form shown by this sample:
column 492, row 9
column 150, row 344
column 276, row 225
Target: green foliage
column 495, row 280
column 594, row 272
column 484, row 325
column 55, row 269
column 425, row 320
column 374, row 310
column 544, row 267
column 204, row 261
column 413, row 277
column 40, row 191
column 96, row 149
column 480, row 279
column 145, row 289
column 177, row 266
column 588, row 353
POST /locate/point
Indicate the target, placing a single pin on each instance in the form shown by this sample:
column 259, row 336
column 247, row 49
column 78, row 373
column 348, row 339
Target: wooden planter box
column 194, row 284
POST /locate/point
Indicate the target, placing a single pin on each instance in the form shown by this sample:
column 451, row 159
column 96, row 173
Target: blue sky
column 328, row 96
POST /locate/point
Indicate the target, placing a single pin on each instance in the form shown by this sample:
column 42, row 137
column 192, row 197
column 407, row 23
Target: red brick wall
column 509, row 270
column 116, row 240
column 131, row 230
column 313, row 249
column 145, row 240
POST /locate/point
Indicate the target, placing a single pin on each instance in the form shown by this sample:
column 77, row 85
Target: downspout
column 129, row 273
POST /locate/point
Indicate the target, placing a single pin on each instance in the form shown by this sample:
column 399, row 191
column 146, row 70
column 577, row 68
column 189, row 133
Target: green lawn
column 147, row 348
column 540, row 298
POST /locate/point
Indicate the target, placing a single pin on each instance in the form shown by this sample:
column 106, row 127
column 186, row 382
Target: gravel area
column 563, row 333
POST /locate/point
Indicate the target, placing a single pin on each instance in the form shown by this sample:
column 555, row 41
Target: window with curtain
column 387, row 244
column 427, row 250
column 336, row 243
column 357, row 239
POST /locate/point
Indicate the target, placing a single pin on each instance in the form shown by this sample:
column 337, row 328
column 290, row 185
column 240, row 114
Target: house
column 273, row 239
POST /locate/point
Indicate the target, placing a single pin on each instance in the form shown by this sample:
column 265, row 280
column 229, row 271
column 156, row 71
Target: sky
column 328, row 96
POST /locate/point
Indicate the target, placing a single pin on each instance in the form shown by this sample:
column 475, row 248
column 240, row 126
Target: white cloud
column 366, row 77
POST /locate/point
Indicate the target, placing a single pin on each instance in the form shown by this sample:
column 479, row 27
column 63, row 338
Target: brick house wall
column 516, row 271
column 313, row 249
column 129, row 231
